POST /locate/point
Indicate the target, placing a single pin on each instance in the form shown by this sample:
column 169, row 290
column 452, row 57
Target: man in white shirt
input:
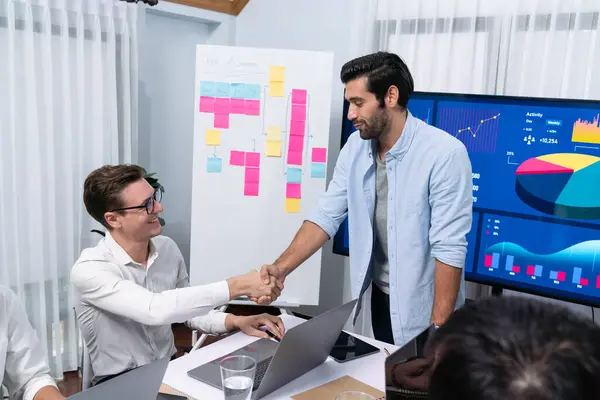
column 133, row 285
column 23, row 366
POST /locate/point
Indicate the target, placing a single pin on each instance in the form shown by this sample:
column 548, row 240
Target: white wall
column 308, row 25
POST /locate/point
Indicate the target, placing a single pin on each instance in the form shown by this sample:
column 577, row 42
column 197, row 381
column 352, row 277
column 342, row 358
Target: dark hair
column 516, row 348
column 382, row 70
column 103, row 187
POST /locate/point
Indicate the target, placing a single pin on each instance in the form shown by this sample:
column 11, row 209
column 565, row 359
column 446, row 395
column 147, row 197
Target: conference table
column 368, row 369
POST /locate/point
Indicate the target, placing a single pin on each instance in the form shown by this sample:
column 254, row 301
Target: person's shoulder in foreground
column 516, row 348
column 23, row 366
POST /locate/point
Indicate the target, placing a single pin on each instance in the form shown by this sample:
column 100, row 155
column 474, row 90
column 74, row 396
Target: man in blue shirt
column 407, row 190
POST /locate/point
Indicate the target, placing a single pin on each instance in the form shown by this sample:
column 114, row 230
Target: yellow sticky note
column 274, row 133
column 276, row 89
column 277, row 74
column 273, row 149
column 213, row 137
column 292, row 205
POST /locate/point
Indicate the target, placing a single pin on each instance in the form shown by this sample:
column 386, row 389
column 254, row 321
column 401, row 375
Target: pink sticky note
column 237, row 158
column 252, row 107
column 207, row 104
column 250, row 189
column 238, row 106
column 319, row 154
column 298, row 112
column 292, row 191
column 252, row 175
column 298, row 96
column 252, row 159
column 296, row 143
column 297, row 128
column 222, row 106
column 294, row 157
column 222, row 121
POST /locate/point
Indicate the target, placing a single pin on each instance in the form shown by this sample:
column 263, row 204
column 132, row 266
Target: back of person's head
column 103, row 187
column 382, row 70
column 511, row 348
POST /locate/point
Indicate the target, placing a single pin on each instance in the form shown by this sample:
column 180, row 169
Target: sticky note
column 252, row 174
column 238, row 106
column 238, row 90
column 273, row 148
column 207, row 104
column 294, row 175
column 317, row 170
column 298, row 112
column 252, row 159
column 250, row 189
column 299, row 96
column 277, row 74
column 214, row 165
column 292, row 205
column 213, row 137
column 222, row 121
column 237, row 158
column 297, row 128
column 274, row 133
column 222, row 106
column 276, row 89
column 319, row 154
column 294, row 157
column 296, row 143
column 252, row 107
column 223, row 89
column 208, row 89
column 253, row 92
column 292, row 191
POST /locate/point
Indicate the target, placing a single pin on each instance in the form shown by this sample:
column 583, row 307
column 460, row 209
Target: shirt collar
column 403, row 143
column 122, row 256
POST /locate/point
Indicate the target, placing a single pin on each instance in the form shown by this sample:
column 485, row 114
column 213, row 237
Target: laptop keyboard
column 261, row 370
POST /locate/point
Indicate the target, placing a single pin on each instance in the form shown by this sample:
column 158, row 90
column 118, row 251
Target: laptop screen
column 407, row 369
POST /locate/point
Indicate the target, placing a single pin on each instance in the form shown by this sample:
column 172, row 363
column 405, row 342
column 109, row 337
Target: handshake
column 262, row 287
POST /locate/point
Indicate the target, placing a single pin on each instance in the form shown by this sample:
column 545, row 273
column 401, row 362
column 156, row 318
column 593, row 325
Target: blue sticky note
column 208, row 89
column 294, row 175
column 223, row 89
column 252, row 92
column 214, row 164
column 318, row 170
column 238, row 90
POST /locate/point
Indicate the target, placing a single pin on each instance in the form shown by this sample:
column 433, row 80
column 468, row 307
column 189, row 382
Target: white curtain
column 68, row 104
column 537, row 48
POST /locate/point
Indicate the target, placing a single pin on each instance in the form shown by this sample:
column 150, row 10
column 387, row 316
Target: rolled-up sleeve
column 451, row 202
column 332, row 207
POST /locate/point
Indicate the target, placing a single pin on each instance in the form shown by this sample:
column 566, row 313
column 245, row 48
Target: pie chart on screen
column 565, row 185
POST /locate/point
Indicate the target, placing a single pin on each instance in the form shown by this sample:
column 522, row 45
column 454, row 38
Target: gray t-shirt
column 380, row 252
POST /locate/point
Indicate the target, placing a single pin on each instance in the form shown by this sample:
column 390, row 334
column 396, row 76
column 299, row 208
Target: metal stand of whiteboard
column 284, row 308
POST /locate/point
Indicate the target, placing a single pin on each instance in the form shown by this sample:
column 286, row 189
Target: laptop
column 407, row 370
column 141, row 383
column 301, row 349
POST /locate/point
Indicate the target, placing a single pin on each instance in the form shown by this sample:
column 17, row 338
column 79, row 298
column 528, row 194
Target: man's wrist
column 237, row 287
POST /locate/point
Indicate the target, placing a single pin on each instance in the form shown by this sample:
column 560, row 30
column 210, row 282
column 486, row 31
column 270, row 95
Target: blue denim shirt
column 430, row 203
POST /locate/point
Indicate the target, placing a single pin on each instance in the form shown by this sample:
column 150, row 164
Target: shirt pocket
column 416, row 221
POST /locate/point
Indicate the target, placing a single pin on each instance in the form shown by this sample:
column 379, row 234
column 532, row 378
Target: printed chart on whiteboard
column 261, row 134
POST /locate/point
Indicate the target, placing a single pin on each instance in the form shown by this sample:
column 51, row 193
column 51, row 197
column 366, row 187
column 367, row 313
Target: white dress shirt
column 125, row 310
column 23, row 365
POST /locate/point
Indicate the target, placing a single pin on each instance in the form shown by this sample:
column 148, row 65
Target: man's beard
column 374, row 127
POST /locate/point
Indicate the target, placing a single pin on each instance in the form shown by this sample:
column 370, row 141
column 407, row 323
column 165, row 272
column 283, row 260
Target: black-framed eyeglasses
column 148, row 204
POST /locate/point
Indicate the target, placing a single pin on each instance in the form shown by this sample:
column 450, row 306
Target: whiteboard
column 261, row 133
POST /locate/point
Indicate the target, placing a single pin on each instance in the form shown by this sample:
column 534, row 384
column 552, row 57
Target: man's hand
column 255, row 287
column 268, row 272
column 252, row 325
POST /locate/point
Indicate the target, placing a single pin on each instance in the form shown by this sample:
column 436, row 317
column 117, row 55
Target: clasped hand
column 269, row 274
column 263, row 288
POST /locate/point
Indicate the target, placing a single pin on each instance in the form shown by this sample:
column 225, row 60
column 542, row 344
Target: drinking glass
column 354, row 396
column 237, row 377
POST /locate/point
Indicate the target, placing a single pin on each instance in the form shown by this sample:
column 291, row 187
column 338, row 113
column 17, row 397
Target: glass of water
column 354, row 396
column 237, row 377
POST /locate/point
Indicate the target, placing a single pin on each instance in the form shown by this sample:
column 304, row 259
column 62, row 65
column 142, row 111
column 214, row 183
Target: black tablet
column 348, row 347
